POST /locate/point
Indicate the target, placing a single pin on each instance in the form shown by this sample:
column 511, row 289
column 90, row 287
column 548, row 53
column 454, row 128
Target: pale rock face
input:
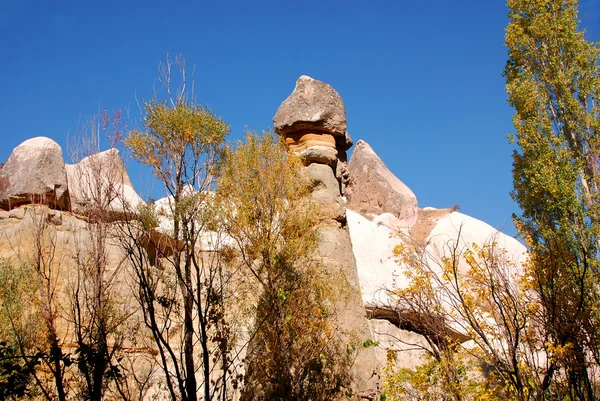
column 106, row 172
column 313, row 105
column 207, row 240
column 409, row 347
column 466, row 230
column 459, row 231
column 34, row 172
column 326, row 189
column 378, row 201
column 373, row 189
column 373, row 246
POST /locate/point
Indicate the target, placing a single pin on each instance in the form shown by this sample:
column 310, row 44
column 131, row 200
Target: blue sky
column 421, row 80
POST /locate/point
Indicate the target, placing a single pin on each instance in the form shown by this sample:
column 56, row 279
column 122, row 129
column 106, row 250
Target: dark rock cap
column 313, row 105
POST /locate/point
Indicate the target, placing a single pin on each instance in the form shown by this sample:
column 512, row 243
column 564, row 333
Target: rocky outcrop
column 312, row 106
column 374, row 189
column 101, row 181
column 373, row 246
column 34, row 173
column 377, row 199
column 313, row 122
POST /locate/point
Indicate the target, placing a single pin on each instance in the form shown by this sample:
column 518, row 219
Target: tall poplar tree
column 553, row 83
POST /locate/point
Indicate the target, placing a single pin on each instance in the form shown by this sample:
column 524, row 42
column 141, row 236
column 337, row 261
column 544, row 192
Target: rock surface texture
column 374, row 189
column 34, row 172
column 102, row 173
column 313, row 122
column 312, row 106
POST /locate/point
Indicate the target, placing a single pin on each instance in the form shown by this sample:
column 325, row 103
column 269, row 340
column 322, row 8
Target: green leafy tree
column 553, row 83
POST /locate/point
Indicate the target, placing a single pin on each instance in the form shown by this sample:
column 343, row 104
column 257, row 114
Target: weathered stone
column 319, row 154
column 34, row 172
column 335, row 250
column 54, row 217
column 300, row 141
column 102, row 173
column 313, row 122
column 373, row 189
column 343, row 175
column 18, row 213
column 313, row 105
column 409, row 347
column 326, row 190
column 344, row 142
column 323, row 184
column 4, row 214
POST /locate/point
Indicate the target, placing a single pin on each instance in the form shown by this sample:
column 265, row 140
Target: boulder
column 101, row 181
column 373, row 189
column 34, row 172
column 313, row 105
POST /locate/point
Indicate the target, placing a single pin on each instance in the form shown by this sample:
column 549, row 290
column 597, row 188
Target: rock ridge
column 373, row 189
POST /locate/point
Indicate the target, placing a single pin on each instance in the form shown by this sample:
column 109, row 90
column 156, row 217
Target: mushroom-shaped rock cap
column 313, row 105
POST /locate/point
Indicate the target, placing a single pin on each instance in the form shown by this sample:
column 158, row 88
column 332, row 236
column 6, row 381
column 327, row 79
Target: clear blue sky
column 421, row 80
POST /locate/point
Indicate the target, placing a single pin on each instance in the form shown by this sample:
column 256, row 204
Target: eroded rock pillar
column 313, row 122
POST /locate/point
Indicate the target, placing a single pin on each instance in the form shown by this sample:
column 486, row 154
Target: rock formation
column 34, row 172
column 373, row 239
column 313, row 122
column 374, row 190
column 376, row 199
column 102, row 173
column 357, row 242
